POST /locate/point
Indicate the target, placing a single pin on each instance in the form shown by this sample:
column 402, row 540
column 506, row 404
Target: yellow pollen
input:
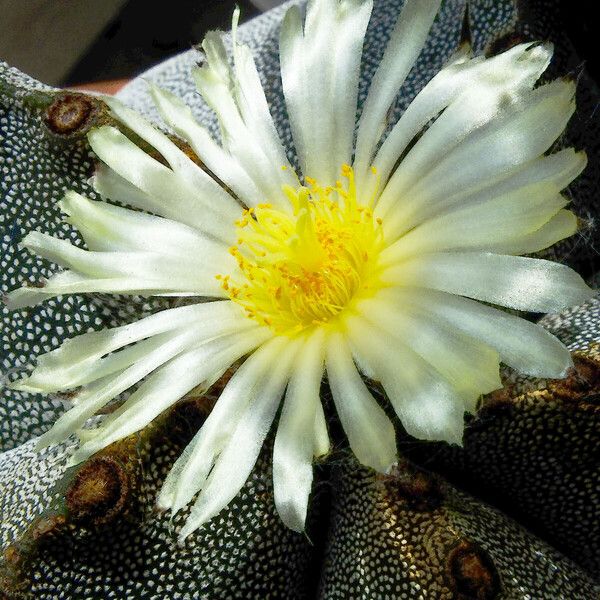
column 300, row 268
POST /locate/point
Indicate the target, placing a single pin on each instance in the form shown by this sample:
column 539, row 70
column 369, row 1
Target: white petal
column 556, row 170
column 158, row 351
column 254, row 109
column 291, row 58
column 174, row 196
column 512, row 281
column 560, row 169
column 480, row 226
column 472, row 367
column 189, row 473
column 68, row 282
column 428, row 406
column 206, row 188
column 354, row 17
column 91, row 371
column 370, row 432
column 262, row 158
column 322, row 443
column 505, row 74
column 294, row 442
column 562, row 225
column 237, row 140
column 405, row 44
column 522, row 345
column 64, row 367
column 198, row 366
column 458, row 154
column 179, row 117
column 106, row 227
column 183, row 270
column 319, row 70
column 239, row 455
column 111, row 185
column 140, row 272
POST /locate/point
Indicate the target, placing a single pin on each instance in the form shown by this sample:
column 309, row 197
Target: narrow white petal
column 64, row 367
column 512, row 281
column 458, row 154
column 482, row 225
column 170, row 273
column 261, row 157
column 114, row 187
column 254, row 109
column 189, row 473
column 202, row 183
column 562, row 225
column 405, row 44
column 471, row 366
column 312, row 72
column 68, row 282
column 89, row 371
column 556, row 170
column 522, row 345
column 294, row 442
column 319, row 69
column 198, row 366
column 235, row 463
column 178, row 199
column 322, row 444
column 160, row 349
column 354, row 17
column 560, row 168
column 237, row 139
column 106, row 227
column 295, row 89
column 135, row 264
column 428, row 406
column 370, row 432
column 179, row 117
column 505, row 74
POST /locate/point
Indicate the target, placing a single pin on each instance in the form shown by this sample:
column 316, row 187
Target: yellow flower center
column 300, row 268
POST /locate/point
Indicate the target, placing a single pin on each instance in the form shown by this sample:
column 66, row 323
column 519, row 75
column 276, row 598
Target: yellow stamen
column 301, row 269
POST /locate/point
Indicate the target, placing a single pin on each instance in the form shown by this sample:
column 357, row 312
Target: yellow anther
column 304, row 268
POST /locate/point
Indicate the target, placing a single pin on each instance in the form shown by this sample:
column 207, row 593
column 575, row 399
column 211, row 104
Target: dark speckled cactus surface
column 513, row 514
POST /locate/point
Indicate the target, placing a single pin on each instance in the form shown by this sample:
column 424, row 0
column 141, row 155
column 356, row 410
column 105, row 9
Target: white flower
column 373, row 268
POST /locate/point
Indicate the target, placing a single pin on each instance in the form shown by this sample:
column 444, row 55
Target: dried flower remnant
column 71, row 114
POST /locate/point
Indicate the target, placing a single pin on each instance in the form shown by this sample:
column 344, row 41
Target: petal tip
column 20, row 385
column 44, row 441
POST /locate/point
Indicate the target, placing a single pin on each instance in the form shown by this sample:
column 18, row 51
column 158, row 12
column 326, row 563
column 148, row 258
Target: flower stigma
column 301, row 268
